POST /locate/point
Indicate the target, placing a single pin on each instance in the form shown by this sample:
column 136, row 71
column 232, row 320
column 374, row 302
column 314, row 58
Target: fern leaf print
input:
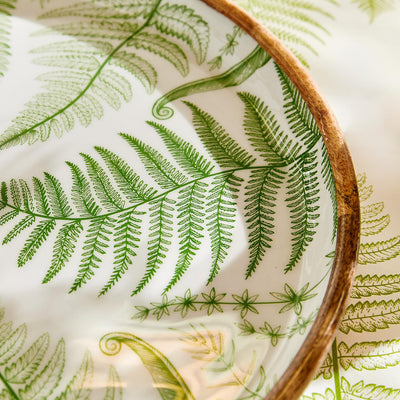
column 32, row 369
column 5, row 26
column 197, row 188
column 86, row 67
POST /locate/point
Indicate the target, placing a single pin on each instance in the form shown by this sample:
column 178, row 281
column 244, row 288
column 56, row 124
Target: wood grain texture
column 301, row 371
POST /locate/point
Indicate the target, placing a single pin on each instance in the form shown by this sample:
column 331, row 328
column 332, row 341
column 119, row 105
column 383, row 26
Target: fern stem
column 9, row 388
column 336, row 372
column 234, row 76
column 88, row 86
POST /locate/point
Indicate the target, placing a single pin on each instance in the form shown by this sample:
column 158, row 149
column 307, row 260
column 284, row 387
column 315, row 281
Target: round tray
column 188, row 173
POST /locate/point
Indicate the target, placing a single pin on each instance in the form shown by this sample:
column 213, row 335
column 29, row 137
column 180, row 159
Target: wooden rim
column 313, row 350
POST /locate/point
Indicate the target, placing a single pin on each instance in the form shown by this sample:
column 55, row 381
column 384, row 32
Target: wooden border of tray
column 301, row 371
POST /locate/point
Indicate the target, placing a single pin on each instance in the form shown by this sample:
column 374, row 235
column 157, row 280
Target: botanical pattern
column 167, row 380
column 109, row 210
column 220, row 358
column 29, row 372
column 298, row 24
column 6, row 6
column 374, row 7
column 228, row 49
column 363, row 316
column 213, row 301
column 86, row 66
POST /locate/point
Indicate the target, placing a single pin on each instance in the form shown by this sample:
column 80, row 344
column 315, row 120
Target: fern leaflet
column 369, row 355
column 161, row 221
column 64, row 247
column 96, row 243
column 370, row 316
column 264, row 132
column 225, row 151
column 261, row 197
column 367, row 285
column 221, row 210
column 362, row 391
column 375, row 252
column 303, row 207
column 190, row 206
column 126, row 238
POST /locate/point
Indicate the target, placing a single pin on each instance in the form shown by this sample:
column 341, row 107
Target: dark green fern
column 188, row 190
column 85, row 71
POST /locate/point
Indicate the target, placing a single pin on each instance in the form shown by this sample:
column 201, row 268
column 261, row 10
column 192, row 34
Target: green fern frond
column 81, row 193
column 299, row 24
column 376, row 252
column 12, row 344
column 161, row 222
column 106, row 193
column 48, row 379
column 181, row 22
column 96, row 242
column 27, row 364
column 36, row 238
column 265, row 134
column 373, row 8
column 362, row 391
column 126, row 239
column 190, row 205
column 25, row 223
column 158, row 167
column 64, row 247
column 109, row 208
column 164, row 48
column 6, row 7
column 302, row 200
column 185, row 154
column 224, row 150
column 261, row 197
column 80, row 385
column 221, row 213
column 85, row 73
column 370, row 316
column 372, row 227
column 367, row 285
column 369, row 355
